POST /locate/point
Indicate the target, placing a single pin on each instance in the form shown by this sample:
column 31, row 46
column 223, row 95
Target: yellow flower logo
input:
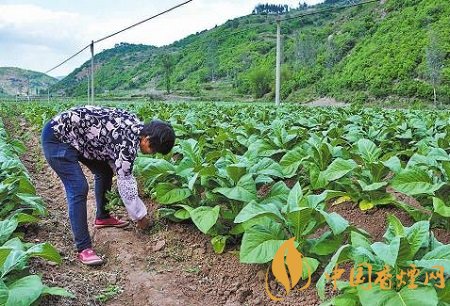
column 287, row 268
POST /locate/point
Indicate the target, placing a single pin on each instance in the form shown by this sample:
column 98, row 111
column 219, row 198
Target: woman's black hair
column 160, row 134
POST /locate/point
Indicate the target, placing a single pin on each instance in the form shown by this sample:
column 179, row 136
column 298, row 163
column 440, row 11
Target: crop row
column 19, row 207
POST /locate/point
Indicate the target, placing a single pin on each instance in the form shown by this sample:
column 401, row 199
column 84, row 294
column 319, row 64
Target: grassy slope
column 375, row 51
column 13, row 80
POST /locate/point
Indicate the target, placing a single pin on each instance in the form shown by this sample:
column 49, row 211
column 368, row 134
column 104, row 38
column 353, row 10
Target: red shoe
column 110, row 222
column 89, row 257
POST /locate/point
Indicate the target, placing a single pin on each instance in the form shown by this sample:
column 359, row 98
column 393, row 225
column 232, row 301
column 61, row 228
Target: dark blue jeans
column 65, row 161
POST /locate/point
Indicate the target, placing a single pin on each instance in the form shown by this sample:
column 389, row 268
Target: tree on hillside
column 167, row 62
column 271, row 9
column 435, row 62
column 302, row 5
column 260, row 80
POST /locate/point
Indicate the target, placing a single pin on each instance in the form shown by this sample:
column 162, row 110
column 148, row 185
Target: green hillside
column 115, row 69
column 16, row 80
column 382, row 51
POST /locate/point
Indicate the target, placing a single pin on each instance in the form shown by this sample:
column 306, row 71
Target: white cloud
column 37, row 37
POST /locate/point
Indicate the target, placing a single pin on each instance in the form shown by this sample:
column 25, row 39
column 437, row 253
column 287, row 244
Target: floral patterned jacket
column 107, row 134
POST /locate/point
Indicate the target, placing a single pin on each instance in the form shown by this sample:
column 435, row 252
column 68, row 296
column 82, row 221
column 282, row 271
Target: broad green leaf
column 268, row 167
column 263, row 148
column 387, row 252
column 261, row 242
column 254, row 209
column 23, row 218
column 167, row 193
column 345, row 299
column 444, row 294
column 417, row 214
column 437, row 257
column 417, row 236
column 3, row 289
column 359, row 240
column 152, row 167
column 310, row 266
column 235, row 172
column 339, row 168
column 205, row 217
column 33, row 202
column 371, row 187
column 191, row 150
column 395, row 228
column 278, row 193
column 24, row 291
column 335, row 221
column 291, row 161
column 219, row 243
column 57, row 291
column 17, row 259
column 46, row 251
column 25, row 186
column 440, row 208
column 326, row 244
column 424, row 296
column 317, row 178
column 182, row 214
column 244, row 191
column 192, row 181
column 299, row 220
column 368, row 150
column 295, row 195
column 14, row 244
column 366, row 205
column 7, row 227
column 414, row 181
column 4, row 253
column 438, row 154
column 418, row 160
column 394, row 164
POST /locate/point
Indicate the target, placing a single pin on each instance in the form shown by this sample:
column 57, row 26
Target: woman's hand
column 144, row 223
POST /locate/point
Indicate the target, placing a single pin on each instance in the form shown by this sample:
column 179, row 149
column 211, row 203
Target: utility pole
column 278, row 69
column 92, row 72
column 48, row 95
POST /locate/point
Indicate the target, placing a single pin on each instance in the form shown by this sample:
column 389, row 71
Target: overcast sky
column 39, row 34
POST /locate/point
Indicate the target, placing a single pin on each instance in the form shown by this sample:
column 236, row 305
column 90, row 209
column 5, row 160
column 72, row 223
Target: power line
column 115, row 33
column 68, row 59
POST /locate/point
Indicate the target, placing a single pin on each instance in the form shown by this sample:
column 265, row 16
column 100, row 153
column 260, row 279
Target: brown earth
column 171, row 264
